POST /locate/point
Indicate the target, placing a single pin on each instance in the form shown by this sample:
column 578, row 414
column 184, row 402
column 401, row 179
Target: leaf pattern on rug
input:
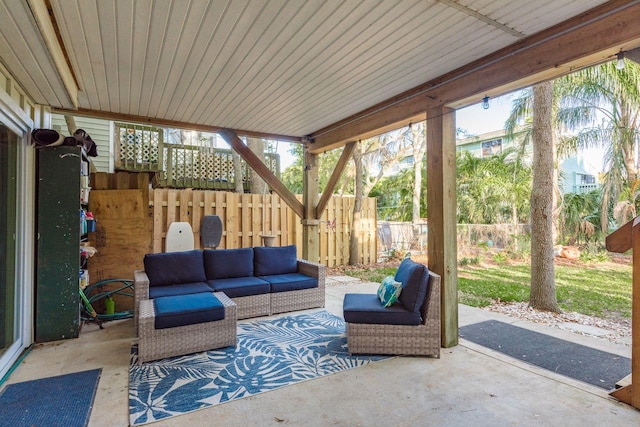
column 270, row 354
column 252, row 375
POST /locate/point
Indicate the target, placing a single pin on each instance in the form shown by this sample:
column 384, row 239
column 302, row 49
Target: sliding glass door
column 16, row 240
column 8, row 283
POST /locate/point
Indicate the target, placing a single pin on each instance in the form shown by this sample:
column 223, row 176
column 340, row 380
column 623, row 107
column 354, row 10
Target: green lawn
column 602, row 290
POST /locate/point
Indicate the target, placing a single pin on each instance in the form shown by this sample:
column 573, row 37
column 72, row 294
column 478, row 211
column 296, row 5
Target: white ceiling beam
column 464, row 9
column 43, row 20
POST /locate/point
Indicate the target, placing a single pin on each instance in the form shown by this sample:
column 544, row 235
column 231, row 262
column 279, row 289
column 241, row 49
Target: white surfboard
column 179, row 237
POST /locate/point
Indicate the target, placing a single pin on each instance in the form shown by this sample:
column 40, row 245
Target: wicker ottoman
column 156, row 344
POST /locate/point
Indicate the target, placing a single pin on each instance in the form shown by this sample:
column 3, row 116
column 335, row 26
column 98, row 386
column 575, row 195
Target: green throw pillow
column 389, row 291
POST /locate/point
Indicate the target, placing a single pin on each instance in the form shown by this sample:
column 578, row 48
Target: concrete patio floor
column 468, row 385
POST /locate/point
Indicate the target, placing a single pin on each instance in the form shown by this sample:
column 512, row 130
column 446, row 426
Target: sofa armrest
column 140, row 285
column 312, row 269
column 430, row 310
column 140, row 293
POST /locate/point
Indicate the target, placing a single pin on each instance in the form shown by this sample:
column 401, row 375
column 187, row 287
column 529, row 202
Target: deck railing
column 138, row 147
column 143, row 149
column 188, row 166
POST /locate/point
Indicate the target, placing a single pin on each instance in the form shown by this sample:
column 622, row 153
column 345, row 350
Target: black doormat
column 580, row 362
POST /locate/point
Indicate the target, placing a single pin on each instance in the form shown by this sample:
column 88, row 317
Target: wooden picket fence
column 245, row 217
column 132, row 220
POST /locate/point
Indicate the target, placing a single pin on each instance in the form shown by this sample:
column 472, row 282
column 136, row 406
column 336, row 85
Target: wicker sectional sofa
column 261, row 281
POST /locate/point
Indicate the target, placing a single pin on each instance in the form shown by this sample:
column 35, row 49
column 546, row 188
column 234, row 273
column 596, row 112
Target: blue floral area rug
column 270, row 354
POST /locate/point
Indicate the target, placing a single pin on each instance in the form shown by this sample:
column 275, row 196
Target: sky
column 473, row 119
column 476, row 121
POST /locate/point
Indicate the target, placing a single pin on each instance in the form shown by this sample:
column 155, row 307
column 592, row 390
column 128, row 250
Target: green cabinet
column 57, row 310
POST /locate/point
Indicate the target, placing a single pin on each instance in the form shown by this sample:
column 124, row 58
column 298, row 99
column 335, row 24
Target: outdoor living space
column 187, row 106
column 467, row 385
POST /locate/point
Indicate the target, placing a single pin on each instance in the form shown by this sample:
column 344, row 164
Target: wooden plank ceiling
column 268, row 66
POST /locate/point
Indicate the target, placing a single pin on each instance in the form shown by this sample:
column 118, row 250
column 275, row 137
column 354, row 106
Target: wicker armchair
column 423, row 339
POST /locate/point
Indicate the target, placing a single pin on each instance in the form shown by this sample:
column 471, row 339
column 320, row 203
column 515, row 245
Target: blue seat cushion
column 240, row 286
column 226, row 263
column 182, row 310
column 174, row 267
column 290, row 282
column 181, row 289
column 272, row 260
column 367, row 308
column 414, row 278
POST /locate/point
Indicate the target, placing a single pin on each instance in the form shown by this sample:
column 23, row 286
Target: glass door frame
column 19, row 123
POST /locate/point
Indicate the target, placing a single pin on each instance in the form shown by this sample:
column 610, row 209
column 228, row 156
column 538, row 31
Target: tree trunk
column 514, row 224
column 543, row 290
column 556, row 207
column 238, row 178
column 604, row 211
column 419, row 148
column 258, row 186
column 354, row 239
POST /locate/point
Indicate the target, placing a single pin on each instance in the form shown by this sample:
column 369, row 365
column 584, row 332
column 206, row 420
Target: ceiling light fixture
column 620, row 62
column 485, row 102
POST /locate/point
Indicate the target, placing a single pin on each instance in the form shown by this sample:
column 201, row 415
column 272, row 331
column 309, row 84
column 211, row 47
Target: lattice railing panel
column 137, row 147
column 206, row 167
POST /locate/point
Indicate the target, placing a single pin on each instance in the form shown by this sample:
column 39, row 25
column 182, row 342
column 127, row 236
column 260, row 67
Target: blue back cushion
column 179, row 289
column 274, row 260
column 173, row 268
column 414, row 278
column 228, row 263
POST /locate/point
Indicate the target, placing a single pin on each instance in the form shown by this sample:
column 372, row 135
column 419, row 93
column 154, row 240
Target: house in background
column 101, row 132
column 574, row 176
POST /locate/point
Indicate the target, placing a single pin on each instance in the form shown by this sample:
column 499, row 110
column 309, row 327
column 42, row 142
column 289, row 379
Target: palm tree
column 607, row 100
column 598, row 107
column 534, row 118
column 395, row 196
column 580, row 216
column 493, row 189
column 542, row 295
column 519, row 128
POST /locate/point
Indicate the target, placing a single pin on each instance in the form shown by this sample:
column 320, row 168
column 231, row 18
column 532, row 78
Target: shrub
column 500, row 257
column 468, row 261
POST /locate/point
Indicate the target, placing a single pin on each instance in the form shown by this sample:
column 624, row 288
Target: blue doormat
column 586, row 364
column 64, row 400
column 270, row 354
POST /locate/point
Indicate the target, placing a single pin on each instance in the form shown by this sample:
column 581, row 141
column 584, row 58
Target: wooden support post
column 310, row 222
column 625, row 238
column 441, row 206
